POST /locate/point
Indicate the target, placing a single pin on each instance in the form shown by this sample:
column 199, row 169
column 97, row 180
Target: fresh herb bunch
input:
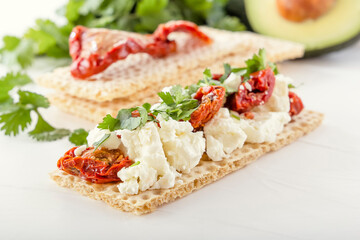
column 126, row 120
column 50, row 39
column 176, row 103
column 256, row 63
column 17, row 115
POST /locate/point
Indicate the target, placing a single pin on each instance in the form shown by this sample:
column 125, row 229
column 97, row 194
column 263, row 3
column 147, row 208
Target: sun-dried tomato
column 211, row 99
column 99, row 166
column 296, row 105
column 256, row 91
column 94, row 50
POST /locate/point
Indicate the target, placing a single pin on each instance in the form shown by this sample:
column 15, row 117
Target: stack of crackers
column 138, row 78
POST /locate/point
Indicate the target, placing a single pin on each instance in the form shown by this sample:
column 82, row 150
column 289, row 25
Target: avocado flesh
column 339, row 25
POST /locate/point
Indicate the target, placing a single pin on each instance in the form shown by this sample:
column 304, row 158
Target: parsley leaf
column 290, row 85
column 227, row 71
column 256, row 63
column 16, row 116
column 17, row 52
column 78, row 137
column 45, row 132
column 109, row 123
column 51, row 39
column 14, row 121
column 9, row 81
column 34, row 99
column 177, row 104
column 125, row 120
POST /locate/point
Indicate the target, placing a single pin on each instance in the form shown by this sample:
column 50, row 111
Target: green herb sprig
column 17, row 115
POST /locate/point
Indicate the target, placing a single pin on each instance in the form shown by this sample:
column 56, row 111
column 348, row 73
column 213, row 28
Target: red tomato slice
column 99, row 166
column 296, row 105
column 211, row 99
column 256, row 91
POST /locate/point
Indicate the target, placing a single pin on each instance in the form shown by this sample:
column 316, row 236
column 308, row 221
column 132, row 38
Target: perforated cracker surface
column 142, row 73
column 206, row 172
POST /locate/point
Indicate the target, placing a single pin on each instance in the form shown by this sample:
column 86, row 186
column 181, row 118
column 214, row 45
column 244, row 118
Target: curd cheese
column 183, row 147
column 279, row 100
column 95, row 135
column 265, row 126
column 79, row 150
column 233, row 81
column 223, row 135
column 144, row 145
column 135, row 178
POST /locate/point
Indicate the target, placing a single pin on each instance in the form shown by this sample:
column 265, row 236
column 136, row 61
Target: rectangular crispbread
column 95, row 111
column 206, row 172
column 142, row 73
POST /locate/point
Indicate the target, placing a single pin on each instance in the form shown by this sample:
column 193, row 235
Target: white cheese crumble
column 223, row 135
column 139, row 177
column 95, row 135
column 265, row 126
column 144, row 145
column 248, row 86
column 183, row 147
column 279, row 100
column 233, row 81
column 79, row 150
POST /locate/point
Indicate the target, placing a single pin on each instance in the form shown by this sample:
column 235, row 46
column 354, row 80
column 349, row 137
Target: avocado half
column 335, row 29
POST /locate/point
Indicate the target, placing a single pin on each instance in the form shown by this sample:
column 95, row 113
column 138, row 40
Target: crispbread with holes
column 95, row 111
column 143, row 73
column 205, row 172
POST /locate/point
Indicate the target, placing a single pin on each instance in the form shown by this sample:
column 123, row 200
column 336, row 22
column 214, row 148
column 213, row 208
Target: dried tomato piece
column 216, row 76
column 99, row 166
column 256, row 91
column 163, row 30
column 296, row 105
column 94, row 50
column 211, row 99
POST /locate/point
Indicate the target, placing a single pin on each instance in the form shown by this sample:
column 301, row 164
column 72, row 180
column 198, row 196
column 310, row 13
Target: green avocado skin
column 237, row 8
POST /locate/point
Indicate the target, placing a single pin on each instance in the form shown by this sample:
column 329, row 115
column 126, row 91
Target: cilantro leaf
column 43, row 131
column 49, row 136
column 78, row 137
column 10, row 42
column 17, row 52
column 34, row 99
column 150, row 7
column 109, row 123
column 217, row 18
column 166, row 97
column 14, row 121
column 9, row 81
column 256, row 63
column 126, row 119
column 51, row 39
column 147, row 106
column 290, row 85
column 177, row 104
column 227, row 71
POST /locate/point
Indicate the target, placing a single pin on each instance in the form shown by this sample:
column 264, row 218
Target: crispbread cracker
column 141, row 72
column 206, row 172
column 95, row 111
